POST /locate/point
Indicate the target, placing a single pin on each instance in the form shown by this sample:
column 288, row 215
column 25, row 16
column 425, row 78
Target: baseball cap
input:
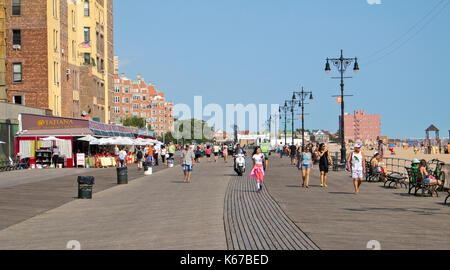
column 415, row 161
column 357, row 145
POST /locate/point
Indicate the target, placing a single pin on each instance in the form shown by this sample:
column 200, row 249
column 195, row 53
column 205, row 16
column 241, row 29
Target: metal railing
column 397, row 164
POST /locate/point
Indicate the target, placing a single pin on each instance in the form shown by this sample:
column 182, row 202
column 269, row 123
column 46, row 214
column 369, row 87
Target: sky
column 260, row 51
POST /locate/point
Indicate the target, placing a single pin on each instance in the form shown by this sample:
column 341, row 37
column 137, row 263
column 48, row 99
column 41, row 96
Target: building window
column 126, row 90
column 16, row 7
column 135, row 98
column 86, row 8
column 16, row 37
column 116, row 109
column 126, row 110
column 17, row 72
column 87, row 58
column 127, row 100
column 18, row 100
column 116, row 89
column 116, row 99
column 87, row 34
column 135, row 106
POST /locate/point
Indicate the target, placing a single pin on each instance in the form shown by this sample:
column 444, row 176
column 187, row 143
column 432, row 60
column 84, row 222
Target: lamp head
column 356, row 67
column 327, row 66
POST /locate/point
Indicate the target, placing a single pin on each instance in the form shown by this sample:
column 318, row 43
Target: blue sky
column 259, row 51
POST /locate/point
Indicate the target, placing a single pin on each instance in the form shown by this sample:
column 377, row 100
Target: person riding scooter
column 239, row 160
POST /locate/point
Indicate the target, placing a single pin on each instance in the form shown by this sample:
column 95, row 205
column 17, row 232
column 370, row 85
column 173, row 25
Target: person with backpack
column 139, row 156
column 356, row 164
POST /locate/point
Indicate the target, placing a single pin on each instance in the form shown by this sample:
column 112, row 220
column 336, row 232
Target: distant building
column 137, row 98
column 361, row 127
column 320, row 136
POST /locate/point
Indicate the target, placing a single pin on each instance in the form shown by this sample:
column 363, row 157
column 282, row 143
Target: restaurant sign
column 39, row 122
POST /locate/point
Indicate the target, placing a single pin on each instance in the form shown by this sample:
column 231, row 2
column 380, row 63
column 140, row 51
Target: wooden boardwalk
column 254, row 221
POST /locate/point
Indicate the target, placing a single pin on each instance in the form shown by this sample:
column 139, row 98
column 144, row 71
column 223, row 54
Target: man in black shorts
column 293, row 152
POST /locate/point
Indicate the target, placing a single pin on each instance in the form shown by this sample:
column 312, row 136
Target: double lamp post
column 342, row 64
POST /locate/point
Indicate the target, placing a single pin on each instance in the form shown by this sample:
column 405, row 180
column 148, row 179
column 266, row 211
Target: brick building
column 137, row 98
column 361, row 127
column 59, row 56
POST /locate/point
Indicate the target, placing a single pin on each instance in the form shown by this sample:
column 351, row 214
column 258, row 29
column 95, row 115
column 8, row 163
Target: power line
column 370, row 61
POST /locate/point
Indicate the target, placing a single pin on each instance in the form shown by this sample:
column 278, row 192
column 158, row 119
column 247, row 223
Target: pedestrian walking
column 139, row 156
column 325, row 162
column 225, row 153
column 122, row 157
column 171, row 150
column 216, row 152
column 55, row 156
column 208, row 153
column 187, row 163
column 305, row 166
column 163, row 154
column 258, row 167
column 356, row 164
column 198, row 154
column 293, row 153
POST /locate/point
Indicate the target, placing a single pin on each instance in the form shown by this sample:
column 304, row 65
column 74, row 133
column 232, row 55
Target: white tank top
column 357, row 162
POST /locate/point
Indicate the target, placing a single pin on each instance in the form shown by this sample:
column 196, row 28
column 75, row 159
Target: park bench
column 394, row 179
column 371, row 174
column 416, row 182
column 447, row 188
column 337, row 165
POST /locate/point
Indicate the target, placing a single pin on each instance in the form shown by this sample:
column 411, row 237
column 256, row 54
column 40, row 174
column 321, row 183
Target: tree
column 133, row 122
column 206, row 131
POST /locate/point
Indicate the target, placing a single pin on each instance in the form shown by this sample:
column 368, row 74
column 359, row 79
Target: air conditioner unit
column 54, row 47
column 68, row 72
column 73, row 26
column 16, row 47
column 58, row 80
column 62, row 51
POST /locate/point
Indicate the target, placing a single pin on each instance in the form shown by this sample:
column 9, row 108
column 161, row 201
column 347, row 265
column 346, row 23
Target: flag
column 339, row 100
column 301, row 116
column 86, row 44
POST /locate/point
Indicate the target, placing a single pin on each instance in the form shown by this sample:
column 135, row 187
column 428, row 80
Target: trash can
column 122, row 175
column 85, row 184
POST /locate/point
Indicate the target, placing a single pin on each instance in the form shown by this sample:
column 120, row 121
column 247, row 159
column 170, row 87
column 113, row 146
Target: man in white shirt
column 156, row 152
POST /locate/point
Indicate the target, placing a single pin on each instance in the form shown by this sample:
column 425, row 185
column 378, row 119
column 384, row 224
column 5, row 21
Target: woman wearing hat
column 356, row 164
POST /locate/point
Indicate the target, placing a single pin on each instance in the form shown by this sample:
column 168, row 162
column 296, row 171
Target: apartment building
column 141, row 99
column 59, row 56
column 362, row 127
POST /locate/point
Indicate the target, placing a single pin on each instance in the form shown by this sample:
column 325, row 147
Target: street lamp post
column 342, row 64
column 303, row 95
column 285, row 109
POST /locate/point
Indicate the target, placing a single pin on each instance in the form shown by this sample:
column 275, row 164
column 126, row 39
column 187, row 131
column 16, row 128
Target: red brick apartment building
column 362, row 127
column 137, row 98
column 59, row 56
